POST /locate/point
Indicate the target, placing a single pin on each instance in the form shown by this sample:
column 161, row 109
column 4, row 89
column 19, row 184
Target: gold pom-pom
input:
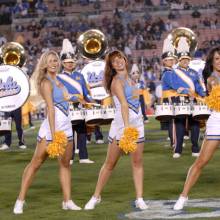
column 57, row 147
column 128, row 142
column 213, row 100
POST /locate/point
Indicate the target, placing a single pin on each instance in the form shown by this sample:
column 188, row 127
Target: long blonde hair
column 41, row 68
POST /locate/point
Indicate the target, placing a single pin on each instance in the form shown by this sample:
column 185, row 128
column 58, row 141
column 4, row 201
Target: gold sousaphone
column 13, row 53
column 184, row 32
column 92, row 44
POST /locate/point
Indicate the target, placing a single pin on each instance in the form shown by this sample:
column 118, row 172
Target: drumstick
column 95, row 104
column 200, row 99
column 87, row 103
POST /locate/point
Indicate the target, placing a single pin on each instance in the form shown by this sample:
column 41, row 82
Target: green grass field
column 163, row 179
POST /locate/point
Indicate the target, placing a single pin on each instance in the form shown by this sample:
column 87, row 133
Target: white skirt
column 117, row 126
column 213, row 126
column 62, row 123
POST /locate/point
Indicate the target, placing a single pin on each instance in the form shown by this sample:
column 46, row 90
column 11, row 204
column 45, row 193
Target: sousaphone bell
column 184, row 32
column 92, row 44
column 13, row 53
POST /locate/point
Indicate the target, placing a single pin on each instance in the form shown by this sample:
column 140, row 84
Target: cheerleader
column 211, row 74
column 55, row 96
column 128, row 113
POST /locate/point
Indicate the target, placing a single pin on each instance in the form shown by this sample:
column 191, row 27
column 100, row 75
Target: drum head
column 14, row 88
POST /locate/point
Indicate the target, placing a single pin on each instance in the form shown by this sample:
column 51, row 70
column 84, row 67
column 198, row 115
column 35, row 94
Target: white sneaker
column 186, row 137
column 18, row 208
column 92, row 203
column 176, row 155
column 88, row 142
column 76, row 151
column 100, row 142
column 4, row 147
column 146, row 121
column 71, row 162
column 70, row 205
column 86, row 161
column 22, row 146
column 180, row 203
column 140, row 204
column 195, row 154
column 168, row 138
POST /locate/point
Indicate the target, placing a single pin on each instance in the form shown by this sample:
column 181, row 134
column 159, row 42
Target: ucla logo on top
column 93, row 77
column 9, row 87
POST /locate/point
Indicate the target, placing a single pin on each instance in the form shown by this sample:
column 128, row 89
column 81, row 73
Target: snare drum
column 164, row 112
column 93, row 116
column 182, row 110
column 76, row 115
column 108, row 114
column 200, row 112
column 5, row 123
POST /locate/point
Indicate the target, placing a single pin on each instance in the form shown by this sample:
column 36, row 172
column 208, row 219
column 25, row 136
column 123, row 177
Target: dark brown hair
column 109, row 71
column 208, row 69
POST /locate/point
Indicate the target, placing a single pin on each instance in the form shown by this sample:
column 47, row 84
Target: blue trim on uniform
column 69, row 138
column 213, row 134
column 212, row 137
column 140, row 140
column 62, row 108
column 39, row 138
column 110, row 139
column 132, row 107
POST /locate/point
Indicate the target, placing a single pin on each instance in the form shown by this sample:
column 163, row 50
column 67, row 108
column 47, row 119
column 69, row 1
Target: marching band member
column 168, row 94
column 135, row 76
column 182, row 83
column 211, row 74
column 54, row 94
column 17, row 116
column 128, row 113
column 76, row 86
column 190, row 87
column 198, row 64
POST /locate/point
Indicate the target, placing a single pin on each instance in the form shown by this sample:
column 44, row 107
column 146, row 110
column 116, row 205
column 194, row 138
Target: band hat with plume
column 183, row 49
column 134, row 68
column 168, row 49
column 67, row 53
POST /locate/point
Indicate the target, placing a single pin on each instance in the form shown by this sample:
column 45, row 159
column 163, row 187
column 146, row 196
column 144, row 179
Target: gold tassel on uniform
column 213, row 100
column 57, row 147
column 128, row 142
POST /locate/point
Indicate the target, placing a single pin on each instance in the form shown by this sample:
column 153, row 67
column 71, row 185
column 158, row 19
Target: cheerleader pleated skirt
column 62, row 123
column 117, row 126
column 213, row 126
